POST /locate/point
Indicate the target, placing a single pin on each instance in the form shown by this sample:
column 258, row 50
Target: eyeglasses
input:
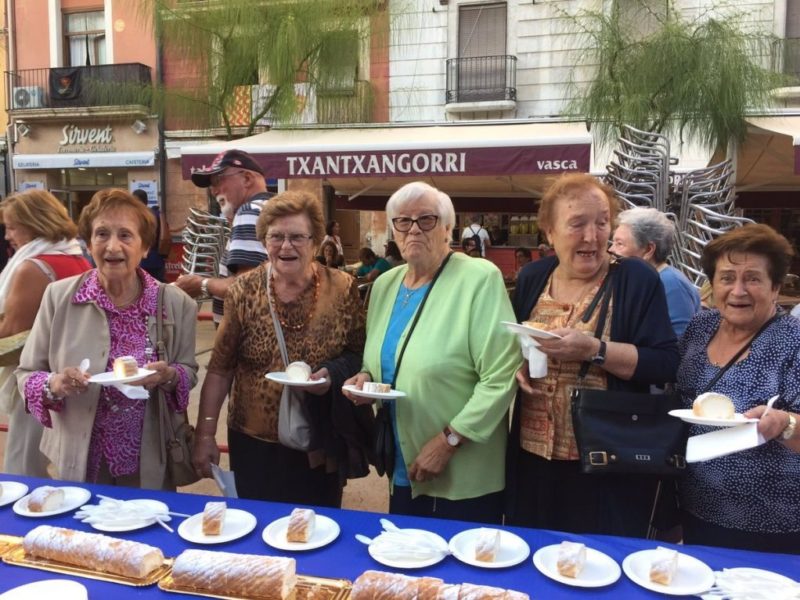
column 295, row 239
column 425, row 223
column 216, row 179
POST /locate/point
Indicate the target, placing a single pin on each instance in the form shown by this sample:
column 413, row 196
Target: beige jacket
column 63, row 334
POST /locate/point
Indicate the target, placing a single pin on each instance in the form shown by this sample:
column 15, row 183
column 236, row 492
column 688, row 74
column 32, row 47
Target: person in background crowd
column 650, row 235
column 321, row 318
column 237, row 181
column 372, row 265
column 38, row 227
column 332, row 235
column 329, row 255
column 97, row 433
column 475, row 228
column 5, row 248
column 522, row 256
column 747, row 499
column 457, row 369
column 153, row 263
column 472, row 246
column 392, row 254
column 637, row 349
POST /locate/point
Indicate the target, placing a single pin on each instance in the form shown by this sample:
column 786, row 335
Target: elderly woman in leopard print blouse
column 323, row 323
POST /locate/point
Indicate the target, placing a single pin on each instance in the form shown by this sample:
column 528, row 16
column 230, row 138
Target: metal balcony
column 79, row 87
column 481, row 79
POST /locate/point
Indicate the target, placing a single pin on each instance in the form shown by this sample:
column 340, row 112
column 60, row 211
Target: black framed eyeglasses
column 424, row 222
column 295, row 239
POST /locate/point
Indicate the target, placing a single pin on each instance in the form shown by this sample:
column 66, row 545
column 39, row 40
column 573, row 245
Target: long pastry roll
column 379, row 585
column 250, row 575
column 93, row 551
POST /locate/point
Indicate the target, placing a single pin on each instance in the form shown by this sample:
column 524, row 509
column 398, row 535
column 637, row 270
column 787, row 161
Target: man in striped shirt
column 237, row 181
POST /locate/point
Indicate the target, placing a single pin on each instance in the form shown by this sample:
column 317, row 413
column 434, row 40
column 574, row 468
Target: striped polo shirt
column 243, row 248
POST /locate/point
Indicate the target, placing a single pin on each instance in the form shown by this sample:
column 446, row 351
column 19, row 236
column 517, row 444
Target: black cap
column 229, row 158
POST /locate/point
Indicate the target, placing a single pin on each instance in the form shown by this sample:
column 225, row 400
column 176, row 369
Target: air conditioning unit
column 29, row 96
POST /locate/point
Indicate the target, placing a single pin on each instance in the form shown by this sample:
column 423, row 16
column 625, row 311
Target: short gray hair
column 414, row 191
column 650, row 225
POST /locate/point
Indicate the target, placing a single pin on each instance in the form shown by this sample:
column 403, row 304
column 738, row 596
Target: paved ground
column 369, row 493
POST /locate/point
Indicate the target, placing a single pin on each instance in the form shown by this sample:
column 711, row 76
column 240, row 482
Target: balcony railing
column 481, row 78
column 77, row 87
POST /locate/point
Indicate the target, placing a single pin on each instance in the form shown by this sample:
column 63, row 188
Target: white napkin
column 723, row 442
column 134, row 392
column 537, row 360
column 225, row 480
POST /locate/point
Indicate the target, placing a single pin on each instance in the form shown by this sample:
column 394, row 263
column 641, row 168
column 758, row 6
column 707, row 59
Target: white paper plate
column 325, row 531
column 686, row 414
column 63, row 589
column 153, row 505
column 390, row 395
column 282, row 378
column 109, row 378
column 761, row 574
column 599, row 570
column 692, row 577
column 238, row 523
column 12, row 491
column 396, row 563
column 74, row 497
column 530, row 331
column 513, row 549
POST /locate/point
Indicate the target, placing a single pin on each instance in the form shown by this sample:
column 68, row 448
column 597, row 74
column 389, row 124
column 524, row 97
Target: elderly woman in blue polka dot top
column 748, row 499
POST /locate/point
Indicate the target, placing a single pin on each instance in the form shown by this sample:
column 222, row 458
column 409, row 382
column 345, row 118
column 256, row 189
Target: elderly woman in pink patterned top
column 100, row 433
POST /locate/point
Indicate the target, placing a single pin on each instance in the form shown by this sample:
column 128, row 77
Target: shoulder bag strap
column 165, row 426
column 416, row 317
column 275, row 321
column 603, row 294
column 736, row 356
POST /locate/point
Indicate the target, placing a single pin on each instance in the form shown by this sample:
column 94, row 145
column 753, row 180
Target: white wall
column 543, row 37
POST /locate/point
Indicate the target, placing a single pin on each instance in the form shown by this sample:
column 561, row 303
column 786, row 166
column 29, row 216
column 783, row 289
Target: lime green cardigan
column 458, row 370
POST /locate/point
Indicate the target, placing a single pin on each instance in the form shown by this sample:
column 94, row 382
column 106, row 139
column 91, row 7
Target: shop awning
column 87, row 160
column 769, row 159
column 461, row 159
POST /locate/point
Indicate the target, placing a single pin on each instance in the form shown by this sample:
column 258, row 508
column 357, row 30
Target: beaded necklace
column 279, row 306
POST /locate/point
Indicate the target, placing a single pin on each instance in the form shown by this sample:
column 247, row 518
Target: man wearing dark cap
column 237, row 181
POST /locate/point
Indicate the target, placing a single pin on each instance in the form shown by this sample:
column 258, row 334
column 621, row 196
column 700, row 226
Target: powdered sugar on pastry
column 231, row 574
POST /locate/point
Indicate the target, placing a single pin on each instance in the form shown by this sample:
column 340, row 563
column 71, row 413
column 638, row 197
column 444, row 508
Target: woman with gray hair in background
column 647, row 233
column 434, row 332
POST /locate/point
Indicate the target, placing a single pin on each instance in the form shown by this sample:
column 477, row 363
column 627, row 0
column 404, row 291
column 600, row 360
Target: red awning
column 512, row 158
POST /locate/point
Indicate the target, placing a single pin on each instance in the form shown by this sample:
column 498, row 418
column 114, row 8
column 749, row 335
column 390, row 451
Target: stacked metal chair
column 700, row 202
column 204, row 240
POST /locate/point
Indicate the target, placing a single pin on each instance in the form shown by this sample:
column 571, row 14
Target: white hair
column 650, row 225
column 416, row 190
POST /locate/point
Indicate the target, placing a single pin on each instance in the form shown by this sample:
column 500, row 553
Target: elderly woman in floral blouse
column 96, row 433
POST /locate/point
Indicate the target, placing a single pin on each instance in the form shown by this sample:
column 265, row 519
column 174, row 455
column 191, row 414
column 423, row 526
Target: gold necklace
column 279, row 306
column 132, row 299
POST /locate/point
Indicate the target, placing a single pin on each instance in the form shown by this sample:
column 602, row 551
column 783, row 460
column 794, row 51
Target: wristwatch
column 204, row 286
column 789, row 431
column 600, row 357
column 453, row 439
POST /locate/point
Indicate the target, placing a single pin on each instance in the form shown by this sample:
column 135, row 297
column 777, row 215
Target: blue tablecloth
column 347, row 558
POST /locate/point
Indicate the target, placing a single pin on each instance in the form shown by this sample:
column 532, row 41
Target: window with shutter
column 481, row 52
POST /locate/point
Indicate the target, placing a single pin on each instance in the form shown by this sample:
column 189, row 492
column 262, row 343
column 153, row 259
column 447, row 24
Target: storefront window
column 95, row 178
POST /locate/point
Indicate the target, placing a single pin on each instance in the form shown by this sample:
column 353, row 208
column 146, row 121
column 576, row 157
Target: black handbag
column 625, row 432
column 384, row 433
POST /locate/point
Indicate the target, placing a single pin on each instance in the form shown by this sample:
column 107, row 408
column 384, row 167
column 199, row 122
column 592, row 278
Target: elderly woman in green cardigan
column 434, row 332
